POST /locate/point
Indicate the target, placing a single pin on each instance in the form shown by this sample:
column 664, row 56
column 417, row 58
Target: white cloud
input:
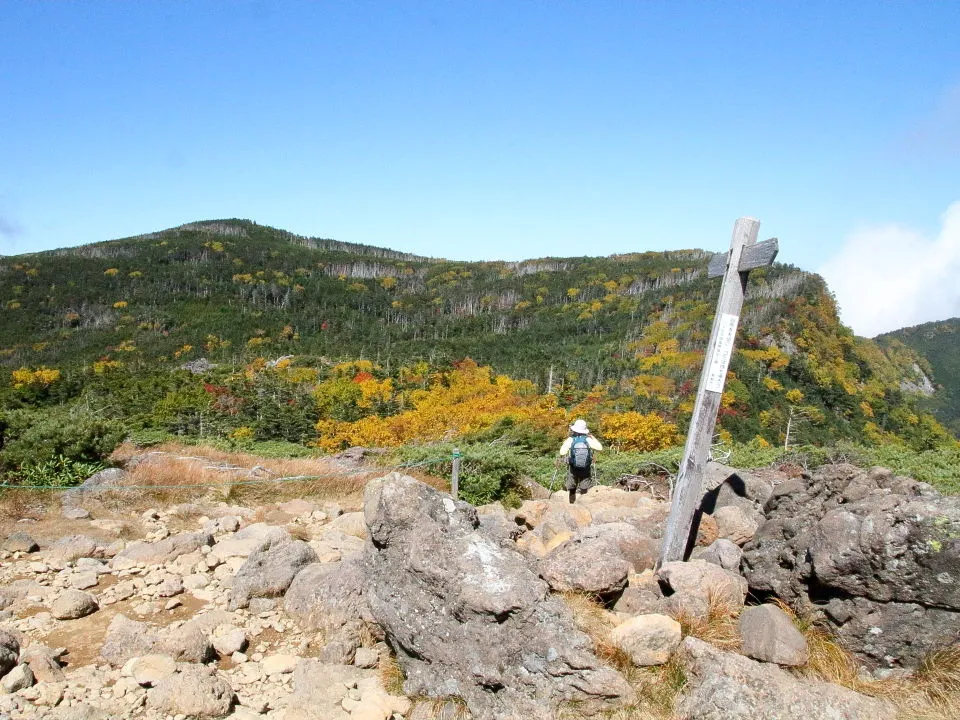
column 889, row 277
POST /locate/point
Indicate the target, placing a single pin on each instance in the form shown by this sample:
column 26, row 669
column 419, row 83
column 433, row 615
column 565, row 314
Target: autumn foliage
column 465, row 400
column 636, row 431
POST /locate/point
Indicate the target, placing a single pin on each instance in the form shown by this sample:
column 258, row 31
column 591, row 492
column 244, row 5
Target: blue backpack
column 580, row 453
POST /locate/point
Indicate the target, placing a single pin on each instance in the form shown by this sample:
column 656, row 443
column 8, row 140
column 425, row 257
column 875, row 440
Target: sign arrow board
column 745, row 254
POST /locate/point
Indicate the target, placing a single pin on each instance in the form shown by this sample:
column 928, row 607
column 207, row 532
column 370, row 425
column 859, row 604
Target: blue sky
column 497, row 130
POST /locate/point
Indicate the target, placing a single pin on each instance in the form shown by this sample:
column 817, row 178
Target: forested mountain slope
column 110, row 327
column 939, row 344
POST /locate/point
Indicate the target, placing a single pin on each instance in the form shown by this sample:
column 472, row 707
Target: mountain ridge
column 938, row 344
column 601, row 334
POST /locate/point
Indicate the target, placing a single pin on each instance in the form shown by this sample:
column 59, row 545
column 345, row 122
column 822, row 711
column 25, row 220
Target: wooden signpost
column 745, row 255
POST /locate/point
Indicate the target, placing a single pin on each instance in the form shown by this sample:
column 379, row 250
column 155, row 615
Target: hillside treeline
column 233, row 330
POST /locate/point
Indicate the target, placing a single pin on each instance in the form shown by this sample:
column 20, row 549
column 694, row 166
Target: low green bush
column 61, row 437
column 488, row 471
column 60, row 471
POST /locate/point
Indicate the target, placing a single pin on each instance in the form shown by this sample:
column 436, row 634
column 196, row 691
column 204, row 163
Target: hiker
column 578, row 450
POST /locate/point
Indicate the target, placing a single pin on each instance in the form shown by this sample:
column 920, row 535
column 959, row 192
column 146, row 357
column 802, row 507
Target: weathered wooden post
column 745, row 255
column 455, row 477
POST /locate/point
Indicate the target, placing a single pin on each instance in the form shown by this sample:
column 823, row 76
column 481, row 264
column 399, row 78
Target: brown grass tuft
column 446, row 708
column 391, row 674
column 19, row 504
column 931, row 692
column 719, row 627
column 299, row 532
column 657, row 687
column 938, row 677
column 189, row 473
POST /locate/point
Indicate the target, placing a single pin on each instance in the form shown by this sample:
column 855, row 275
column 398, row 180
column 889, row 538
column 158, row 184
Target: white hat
column 580, row 427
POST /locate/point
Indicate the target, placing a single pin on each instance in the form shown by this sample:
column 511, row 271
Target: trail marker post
column 455, row 475
column 745, row 254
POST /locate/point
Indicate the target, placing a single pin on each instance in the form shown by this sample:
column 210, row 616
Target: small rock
column 20, row 542
column 84, row 580
column 17, row 679
column 769, row 635
column 172, row 585
column 73, row 512
column 722, row 552
column 647, row 639
column 366, row 658
column 149, row 670
column 279, row 664
column 195, row 582
column 231, row 642
column 73, row 604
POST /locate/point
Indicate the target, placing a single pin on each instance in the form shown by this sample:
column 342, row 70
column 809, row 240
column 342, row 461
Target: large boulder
column 44, row 662
column 267, row 573
column 330, row 597
column 469, row 617
column 161, row 551
column 195, row 691
column 589, row 563
column 127, row 639
column 326, row 596
column 192, row 641
column 20, row 542
column 9, row 651
column 73, row 604
column 727, row 686
column 319, row 690
column 694, row 587
column 92, row 486
column 637, row 548
column 71, row 548
column 737, row 524
column 252, row 538
column 729, row 487
column 877, row 552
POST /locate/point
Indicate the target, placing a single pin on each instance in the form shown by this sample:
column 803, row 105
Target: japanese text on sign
column 720, row 360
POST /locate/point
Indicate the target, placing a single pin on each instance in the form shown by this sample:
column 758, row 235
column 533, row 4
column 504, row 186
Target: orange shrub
column 465, row 400
column 635, row 431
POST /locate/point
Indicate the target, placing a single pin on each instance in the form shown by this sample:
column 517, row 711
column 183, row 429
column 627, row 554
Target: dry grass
column 18, row 504
column 391, row 674
column 719, row 627
column 392, row 678
column 935, row 687
column 178, row 467
column 931, row 692
column 657, row 687
column 185, row 471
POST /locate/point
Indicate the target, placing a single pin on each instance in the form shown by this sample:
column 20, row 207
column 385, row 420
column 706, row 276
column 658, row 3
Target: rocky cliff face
column 877, row 553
